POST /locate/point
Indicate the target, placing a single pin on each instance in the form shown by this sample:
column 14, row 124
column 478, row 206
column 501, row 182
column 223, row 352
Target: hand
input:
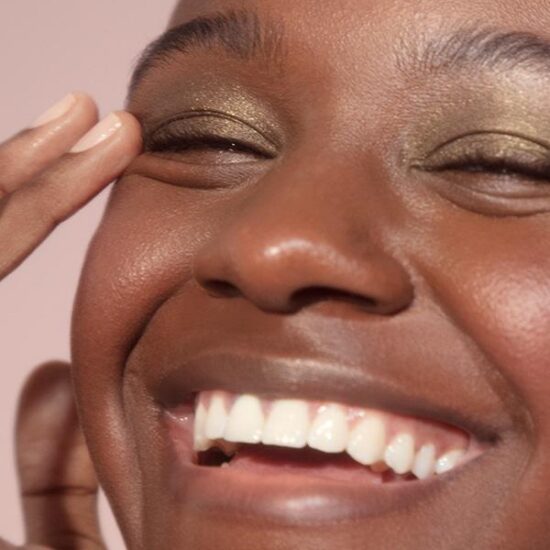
column 57, row 480
column 48, row 172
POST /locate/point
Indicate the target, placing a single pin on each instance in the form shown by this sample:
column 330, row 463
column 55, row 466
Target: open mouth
column 299, row 441
column 334, row 441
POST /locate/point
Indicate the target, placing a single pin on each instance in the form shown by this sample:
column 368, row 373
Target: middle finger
column 32, row 150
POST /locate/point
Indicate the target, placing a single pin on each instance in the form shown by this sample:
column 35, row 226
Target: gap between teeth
column 224, row 421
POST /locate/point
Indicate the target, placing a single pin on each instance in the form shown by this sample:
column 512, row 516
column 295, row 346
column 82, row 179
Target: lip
column 276, row 498
column 290, row 500
column 311, row 379
column 179, row 356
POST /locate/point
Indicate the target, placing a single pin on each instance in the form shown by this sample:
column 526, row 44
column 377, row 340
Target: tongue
column 270, row 460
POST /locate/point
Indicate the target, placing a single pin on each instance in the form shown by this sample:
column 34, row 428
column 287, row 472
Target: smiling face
column 346, row 205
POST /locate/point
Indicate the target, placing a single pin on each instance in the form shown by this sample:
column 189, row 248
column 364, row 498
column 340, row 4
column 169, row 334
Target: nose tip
column 286, row 274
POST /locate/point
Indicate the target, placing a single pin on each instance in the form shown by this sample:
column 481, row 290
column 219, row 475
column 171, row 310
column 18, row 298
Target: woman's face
column 339, row 202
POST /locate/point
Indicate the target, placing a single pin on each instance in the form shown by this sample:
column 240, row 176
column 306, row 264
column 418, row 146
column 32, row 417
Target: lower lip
column 286, row 498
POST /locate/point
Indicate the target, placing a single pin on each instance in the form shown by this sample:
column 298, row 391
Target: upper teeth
column 372, row 438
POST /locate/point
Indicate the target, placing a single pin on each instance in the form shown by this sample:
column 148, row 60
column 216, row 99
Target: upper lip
column 274, row 376
column 417, row 365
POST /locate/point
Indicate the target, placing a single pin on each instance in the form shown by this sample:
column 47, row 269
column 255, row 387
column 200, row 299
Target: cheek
column 493, row 277
column 142, row 253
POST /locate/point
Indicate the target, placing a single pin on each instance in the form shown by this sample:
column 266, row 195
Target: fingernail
column 99, row 133
column 55, row 111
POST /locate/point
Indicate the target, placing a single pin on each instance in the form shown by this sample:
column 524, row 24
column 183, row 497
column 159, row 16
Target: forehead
column 369, row 36
column 359, row 41
column 530, row 14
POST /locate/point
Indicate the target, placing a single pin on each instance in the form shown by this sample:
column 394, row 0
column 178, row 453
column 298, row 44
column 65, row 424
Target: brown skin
column 42, row 184
column 455, row 276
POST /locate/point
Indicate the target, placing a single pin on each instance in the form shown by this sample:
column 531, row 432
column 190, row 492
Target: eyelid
column 495, row 143
column 217, row 125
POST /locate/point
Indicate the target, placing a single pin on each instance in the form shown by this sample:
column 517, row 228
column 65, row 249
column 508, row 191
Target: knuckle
column 32, row 205
column 15, row 156
column 46, row 207
column 60, row 491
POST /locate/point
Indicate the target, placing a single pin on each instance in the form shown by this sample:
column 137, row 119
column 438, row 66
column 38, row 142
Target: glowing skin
column 356, row 257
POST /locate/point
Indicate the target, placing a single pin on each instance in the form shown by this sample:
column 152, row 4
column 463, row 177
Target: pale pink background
column 50, row 47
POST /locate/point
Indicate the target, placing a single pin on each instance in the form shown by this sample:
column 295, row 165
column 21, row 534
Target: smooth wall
column 48, row 48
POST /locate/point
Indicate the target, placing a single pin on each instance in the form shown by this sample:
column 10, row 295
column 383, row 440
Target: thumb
column 57, row 479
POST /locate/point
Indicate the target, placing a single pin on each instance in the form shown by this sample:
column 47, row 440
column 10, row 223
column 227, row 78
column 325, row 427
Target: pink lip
column 276, row 497
column 235, row 493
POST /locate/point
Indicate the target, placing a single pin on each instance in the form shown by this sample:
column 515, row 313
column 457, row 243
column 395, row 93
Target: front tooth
column 367, row 441
column 399, row 455
column 329, row 431
column 216, row 418
column 287, row 424
column 200, row 441
column 424, row 462
column 246, row 420
column 448, row 461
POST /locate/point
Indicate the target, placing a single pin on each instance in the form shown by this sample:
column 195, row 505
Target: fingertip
column 76, row 108
column 51, row 373
column 86, row 105
column 45, row 381
column 133, row 131
column 118, row 132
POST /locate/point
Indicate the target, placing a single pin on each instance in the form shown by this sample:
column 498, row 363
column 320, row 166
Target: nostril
column 307, row 296
column 221, row 289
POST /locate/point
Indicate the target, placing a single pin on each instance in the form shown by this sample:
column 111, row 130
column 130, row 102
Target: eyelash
column 479, row 163
column 474, row 163
column 175, row 143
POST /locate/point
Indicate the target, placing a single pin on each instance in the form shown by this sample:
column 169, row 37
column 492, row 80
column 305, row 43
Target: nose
column 302, row 241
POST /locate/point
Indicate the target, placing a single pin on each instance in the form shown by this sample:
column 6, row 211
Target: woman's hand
column 48, row 171
column 57, row 480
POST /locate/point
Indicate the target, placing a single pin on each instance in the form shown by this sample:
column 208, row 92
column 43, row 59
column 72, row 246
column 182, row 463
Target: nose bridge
column 303, row 236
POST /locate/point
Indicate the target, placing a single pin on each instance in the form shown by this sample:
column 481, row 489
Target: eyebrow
column 244, row 35
column 239, row 33
column 482, row 49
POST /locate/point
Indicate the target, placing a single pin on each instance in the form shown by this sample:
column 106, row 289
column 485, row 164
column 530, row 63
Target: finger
column 57, row 479
column 32, row 150
column 29, row 214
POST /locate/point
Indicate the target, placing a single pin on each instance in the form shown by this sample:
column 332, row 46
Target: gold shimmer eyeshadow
column 206, row 93
column 218, row 125
column 514, row 113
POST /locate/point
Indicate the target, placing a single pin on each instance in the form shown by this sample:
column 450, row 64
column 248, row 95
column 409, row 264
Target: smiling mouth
column 303, row 441
column 251, row 434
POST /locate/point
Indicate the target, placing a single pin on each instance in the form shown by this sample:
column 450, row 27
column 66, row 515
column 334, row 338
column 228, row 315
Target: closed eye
column 478, row 163
column 179, row 144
